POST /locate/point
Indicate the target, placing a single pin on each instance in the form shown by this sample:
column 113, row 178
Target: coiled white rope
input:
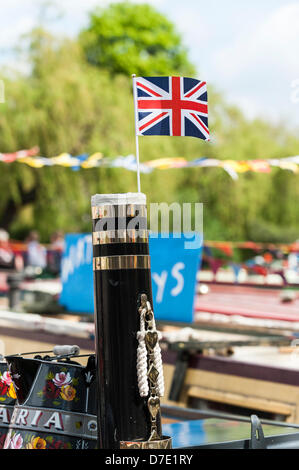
column 159, row 366
column 142, row 362
column 142, row 359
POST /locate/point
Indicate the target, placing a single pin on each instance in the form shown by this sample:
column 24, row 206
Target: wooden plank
column 287, row 394
column 245, row 401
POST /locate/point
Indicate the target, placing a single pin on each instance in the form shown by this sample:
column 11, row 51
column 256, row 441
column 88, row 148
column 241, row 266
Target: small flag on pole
column 174, row 106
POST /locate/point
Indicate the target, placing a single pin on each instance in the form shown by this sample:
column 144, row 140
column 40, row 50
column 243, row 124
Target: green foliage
column 127, row 38
column 65, row 104
column 62, row 105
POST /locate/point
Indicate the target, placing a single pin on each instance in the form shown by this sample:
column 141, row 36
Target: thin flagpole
column 136, row 131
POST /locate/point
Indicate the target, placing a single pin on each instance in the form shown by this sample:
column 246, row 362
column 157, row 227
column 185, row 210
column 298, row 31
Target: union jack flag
column 176, row 106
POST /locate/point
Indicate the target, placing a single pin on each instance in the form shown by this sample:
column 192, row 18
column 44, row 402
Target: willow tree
column 62, row 103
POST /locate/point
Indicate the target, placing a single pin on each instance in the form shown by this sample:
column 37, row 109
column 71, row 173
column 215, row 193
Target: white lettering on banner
column 161, row 279
column 4, row 416
column 161, row 282
column 175, row 272
column 55, row 420
column 22, row 418
column 36, row 418
column 79, row 254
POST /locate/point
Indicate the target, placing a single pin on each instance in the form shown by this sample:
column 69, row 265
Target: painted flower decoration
column 6, row 386
column 36, row 443
column 11, row 392
column 61, row 385
column 50, row 390
column 6, row 378
column 60, row 445
column 68, row 392
column 16, row 442
column 2, row 440
column 62, row 379
column 3, row 388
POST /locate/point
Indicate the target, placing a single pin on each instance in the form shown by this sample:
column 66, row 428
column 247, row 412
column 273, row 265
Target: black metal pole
column 122, row 273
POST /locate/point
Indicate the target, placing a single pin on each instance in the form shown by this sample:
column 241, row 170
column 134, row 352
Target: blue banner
column 76, row 274
column 174, row 270
column 174, row 265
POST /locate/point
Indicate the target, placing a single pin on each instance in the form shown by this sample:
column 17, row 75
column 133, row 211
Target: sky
column 248, row 50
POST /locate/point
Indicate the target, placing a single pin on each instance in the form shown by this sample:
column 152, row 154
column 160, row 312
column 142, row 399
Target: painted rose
column 6, row 442
column 2, row 440
column 62, row 379
column 67, row 393
column 16, row 442
column 6, row 378
column 50, row 390
column 60, row 445
column 11, row 392
column 37, row 443
column 3, row 388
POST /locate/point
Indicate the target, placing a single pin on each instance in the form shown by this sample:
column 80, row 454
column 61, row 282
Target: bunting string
column 85, row 161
